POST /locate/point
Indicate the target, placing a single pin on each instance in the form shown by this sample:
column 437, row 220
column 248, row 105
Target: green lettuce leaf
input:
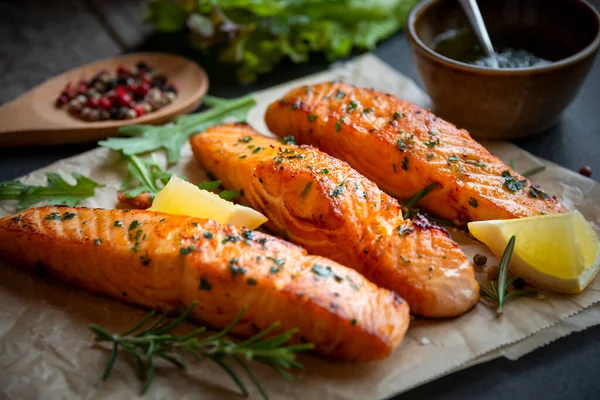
column 255, row 35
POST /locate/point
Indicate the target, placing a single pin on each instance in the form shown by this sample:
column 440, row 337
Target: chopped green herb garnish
column 118, row 224
column 294, row 106
column 195, row 224
column 53, row 216
column 406, row 260
column 338, row 124
column 473, row 203
column 429, row 157
column 306, row 189
column 251, row 281
column 230, row 238
column 248, row 234
column 325, row 272
column 512, row 184
column 235, row 269
column 277, row 261
column 537, row 193
column 68, row 215
column 312, row 118
column 275, row 270
column 256, row 150
column 401, row 145
column 184, row 251
column 397, row 115
column 352, row 106
column 245, row 139
column 367, row 110
column 204, row 284
column 453, row 158
column 207, row 235
column 324, row 171
column 432, row 143
column 353, row 322
column 339, row 189
column 134, row 225
column 339, row 94
column 98, row 242
column 405, row 163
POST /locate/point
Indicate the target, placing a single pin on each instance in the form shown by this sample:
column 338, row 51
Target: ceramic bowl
column 505, row 103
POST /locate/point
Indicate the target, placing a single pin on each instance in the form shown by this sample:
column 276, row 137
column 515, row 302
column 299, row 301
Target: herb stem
column 157, row 341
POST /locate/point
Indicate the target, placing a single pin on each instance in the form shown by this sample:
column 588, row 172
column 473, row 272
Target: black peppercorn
column 479, row 260
column 519, row 283
column 122, row 80
column 122, row 113
column 110, row 84
column 114, row 113
column 159, row 80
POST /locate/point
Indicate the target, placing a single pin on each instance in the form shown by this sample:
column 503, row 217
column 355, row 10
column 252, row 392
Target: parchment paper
column 46, row 347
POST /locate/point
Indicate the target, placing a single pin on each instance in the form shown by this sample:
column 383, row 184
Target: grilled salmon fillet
column 404, row 148
column 322, row 204
column 167, row 261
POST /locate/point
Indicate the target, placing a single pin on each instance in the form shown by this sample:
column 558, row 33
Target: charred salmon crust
column 323, row 205
column 164, row 261
column 404, row 148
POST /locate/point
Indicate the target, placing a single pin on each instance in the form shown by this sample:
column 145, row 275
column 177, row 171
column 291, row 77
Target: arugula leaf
column 57, row 192
column 229, row 194
column 209, row 185
column 143, row 176
column 146, row 138
column 146, row 176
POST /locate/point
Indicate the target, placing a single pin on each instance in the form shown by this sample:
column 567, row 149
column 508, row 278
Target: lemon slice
column 558, row 252
column 183, row 198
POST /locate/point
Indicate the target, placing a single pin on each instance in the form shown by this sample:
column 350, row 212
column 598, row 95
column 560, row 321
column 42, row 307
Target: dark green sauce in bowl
column 449, row 45
column 545, row 50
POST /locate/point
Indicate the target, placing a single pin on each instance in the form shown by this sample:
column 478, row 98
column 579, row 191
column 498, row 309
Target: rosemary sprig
column 533, row 171
column 155, row 340
column 409, row 210
column 498, row 290
column 410, row 203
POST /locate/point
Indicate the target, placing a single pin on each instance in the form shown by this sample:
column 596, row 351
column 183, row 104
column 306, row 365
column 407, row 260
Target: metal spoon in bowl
column 471, row 8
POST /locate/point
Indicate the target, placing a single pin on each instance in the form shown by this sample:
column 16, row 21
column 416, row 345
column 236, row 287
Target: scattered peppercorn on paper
column 46, row 349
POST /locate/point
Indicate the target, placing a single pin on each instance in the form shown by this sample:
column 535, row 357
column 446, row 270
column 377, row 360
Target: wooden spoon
column 33, row 119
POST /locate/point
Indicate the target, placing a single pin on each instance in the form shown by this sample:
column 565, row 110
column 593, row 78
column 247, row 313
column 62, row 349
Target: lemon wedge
column 558, row 252
column 183, row 198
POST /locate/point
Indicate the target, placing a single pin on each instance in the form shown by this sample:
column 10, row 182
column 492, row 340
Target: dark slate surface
column 39, row 39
